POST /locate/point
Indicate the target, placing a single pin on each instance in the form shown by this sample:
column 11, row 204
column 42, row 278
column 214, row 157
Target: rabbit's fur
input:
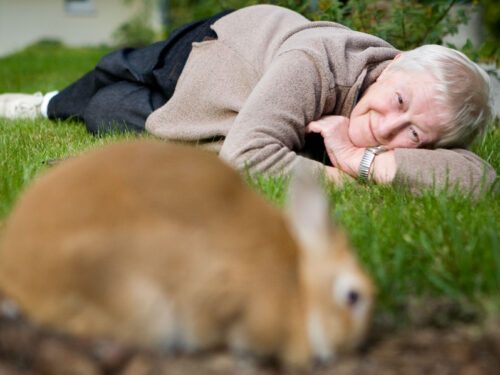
column 164, row 245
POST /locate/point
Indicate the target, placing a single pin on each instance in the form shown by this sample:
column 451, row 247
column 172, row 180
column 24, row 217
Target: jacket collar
column 368, row 76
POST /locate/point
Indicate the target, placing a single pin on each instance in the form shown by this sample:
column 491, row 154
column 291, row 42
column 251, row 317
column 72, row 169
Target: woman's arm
column 270, row 128
column 441, row 168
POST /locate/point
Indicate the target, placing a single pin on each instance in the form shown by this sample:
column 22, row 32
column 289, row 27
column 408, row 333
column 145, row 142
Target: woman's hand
column 342, row 153
column 347, row 157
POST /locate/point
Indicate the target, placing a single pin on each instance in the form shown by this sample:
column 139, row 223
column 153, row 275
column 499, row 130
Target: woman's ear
column 384, row 72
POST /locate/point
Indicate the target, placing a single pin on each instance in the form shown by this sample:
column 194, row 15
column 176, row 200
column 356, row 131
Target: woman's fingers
column 327, row 125
column 342, row 153
column 318, row 126
column 313, row 127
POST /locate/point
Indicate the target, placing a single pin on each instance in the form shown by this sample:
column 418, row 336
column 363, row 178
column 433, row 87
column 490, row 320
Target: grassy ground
column 435, row 257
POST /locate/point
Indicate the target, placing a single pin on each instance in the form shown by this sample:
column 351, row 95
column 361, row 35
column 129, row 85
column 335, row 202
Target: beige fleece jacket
column 250, row 93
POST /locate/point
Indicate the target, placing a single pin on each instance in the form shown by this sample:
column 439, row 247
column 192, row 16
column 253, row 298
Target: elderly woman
column 254, row 84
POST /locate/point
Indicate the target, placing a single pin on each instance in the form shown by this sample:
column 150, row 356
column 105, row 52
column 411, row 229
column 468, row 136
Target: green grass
column 417, row 247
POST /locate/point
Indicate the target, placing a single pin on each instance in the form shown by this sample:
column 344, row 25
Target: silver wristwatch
column 367, row 161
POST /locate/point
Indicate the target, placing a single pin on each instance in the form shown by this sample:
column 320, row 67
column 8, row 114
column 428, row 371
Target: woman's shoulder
column 266, row 10
column 254, row 18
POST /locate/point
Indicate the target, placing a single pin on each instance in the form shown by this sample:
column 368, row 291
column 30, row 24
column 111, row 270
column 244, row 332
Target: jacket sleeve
column 270, row 128
column 443, row 168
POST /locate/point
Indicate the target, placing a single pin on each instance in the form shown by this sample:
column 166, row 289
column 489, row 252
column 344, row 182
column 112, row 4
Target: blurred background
column 473, row 25
column 74, row 22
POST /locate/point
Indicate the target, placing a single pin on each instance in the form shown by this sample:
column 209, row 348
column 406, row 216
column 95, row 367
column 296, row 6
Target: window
column 79, row 7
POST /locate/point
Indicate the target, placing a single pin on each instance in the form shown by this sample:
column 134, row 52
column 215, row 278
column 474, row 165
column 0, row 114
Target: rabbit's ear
column 308, row 210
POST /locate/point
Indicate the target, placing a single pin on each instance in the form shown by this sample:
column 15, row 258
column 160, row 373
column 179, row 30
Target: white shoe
column 21, row 106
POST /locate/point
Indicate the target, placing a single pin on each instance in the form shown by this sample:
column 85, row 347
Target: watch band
column 367, row 161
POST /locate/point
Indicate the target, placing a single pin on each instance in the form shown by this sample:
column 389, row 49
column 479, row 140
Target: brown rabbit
column 164, row 245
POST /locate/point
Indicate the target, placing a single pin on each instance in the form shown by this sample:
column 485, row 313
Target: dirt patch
column 27, row 349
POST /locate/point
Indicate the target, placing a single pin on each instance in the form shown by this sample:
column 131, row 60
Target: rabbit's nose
column 322, row 361
column 9, row 309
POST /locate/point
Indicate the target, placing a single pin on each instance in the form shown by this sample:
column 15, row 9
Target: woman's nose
column 390, row 126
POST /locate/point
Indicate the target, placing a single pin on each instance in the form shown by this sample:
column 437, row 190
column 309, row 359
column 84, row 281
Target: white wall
column 25, row 21
column 473, row 30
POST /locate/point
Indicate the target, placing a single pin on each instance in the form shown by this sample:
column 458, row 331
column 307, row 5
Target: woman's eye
column 400, row 100
column 414, row 135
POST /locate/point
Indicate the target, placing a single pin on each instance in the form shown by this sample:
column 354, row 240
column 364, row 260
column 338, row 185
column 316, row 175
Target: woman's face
column 397, row 111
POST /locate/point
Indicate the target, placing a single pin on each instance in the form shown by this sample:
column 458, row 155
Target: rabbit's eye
column 347, row 291
column 353, row 297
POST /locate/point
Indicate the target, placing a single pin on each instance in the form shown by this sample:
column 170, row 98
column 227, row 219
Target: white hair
column 461, row 86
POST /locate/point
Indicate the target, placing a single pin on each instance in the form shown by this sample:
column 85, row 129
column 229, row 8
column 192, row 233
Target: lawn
column 428, row 252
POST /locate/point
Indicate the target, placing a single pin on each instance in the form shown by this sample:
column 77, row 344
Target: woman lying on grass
column 252, row 84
